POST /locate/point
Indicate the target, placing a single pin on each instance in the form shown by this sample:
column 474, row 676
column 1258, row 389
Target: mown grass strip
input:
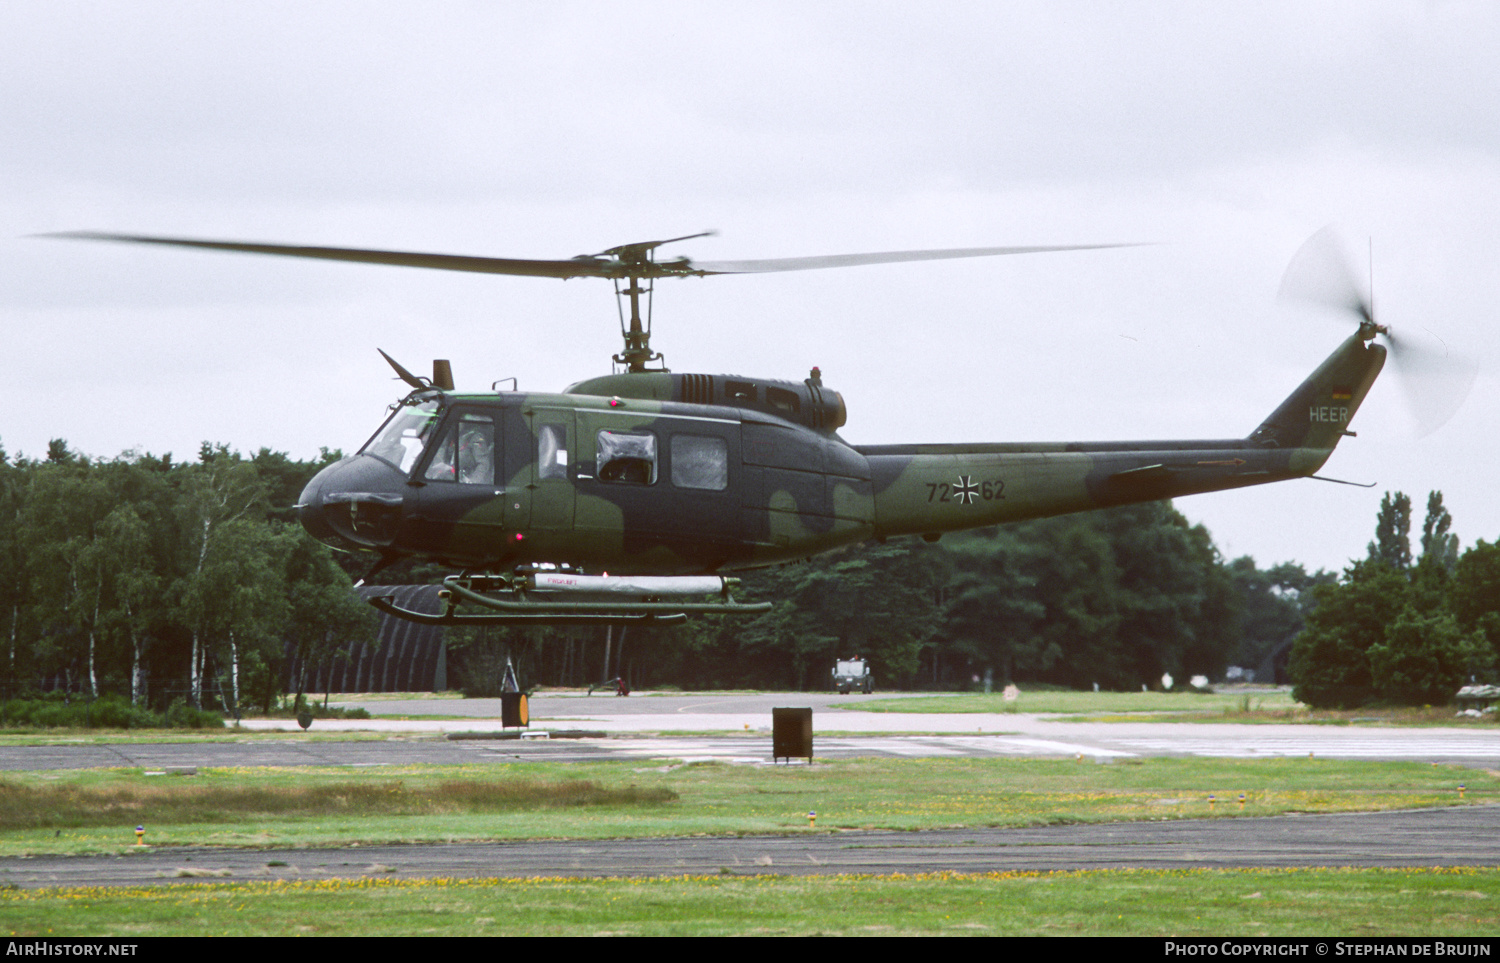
column 1067, row 701
column 1404, row 716
column 1271, row 706
column 97, row 810
column 175, row 800
column 120, row 737
column 1456, row 903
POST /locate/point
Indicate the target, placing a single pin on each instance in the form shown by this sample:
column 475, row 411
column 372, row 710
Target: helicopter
column 633, row 496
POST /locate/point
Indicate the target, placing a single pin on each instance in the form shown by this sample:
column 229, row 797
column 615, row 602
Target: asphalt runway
column 1460, row 836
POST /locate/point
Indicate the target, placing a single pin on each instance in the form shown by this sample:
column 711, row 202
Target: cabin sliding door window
column 627, row 457
column 551, row 451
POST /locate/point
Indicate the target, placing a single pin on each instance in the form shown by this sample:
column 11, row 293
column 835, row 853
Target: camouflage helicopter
column 627, row 497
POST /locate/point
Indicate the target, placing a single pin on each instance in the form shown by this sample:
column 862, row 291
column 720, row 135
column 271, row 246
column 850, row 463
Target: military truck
column 851, row 674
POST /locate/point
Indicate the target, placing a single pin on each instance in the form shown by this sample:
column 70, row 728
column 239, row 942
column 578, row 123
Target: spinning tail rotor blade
column 1434, row 380
column 1319, row 274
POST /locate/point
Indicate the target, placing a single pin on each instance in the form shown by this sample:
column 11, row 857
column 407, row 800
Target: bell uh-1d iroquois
column 627, row 497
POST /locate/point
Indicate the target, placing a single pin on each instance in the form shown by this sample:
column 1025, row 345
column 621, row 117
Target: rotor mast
column 638, row 263
column 637, row 335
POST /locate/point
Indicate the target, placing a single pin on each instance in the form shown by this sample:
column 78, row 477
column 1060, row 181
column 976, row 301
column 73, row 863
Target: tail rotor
column 1434, row 379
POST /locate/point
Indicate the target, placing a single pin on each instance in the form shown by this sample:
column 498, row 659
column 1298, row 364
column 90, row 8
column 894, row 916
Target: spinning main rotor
column 628, row 263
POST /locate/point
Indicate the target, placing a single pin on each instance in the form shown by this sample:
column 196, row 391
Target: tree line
column 1115, row 598
column 191, row 580
column 165, row 580
column 1399, row 629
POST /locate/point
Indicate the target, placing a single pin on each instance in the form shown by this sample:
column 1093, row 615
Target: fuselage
column 634, row 482
column 628, row 486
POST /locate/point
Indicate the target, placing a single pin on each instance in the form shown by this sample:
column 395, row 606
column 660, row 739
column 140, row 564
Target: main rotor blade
column 879, row 257
column 571, row 268
column 583, row 266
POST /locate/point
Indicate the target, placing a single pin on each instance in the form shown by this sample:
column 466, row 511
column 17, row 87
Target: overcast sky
column 553, row 129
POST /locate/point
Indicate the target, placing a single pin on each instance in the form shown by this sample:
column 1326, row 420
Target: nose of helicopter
column 357, row 499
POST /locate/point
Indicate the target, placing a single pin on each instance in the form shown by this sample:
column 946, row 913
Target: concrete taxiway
column 698, row 725
column 735, row 727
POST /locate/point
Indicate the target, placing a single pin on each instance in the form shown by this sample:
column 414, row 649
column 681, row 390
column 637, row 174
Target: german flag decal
column 1342, row 394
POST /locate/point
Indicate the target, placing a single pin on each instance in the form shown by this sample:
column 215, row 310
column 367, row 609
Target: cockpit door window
column 464, row 452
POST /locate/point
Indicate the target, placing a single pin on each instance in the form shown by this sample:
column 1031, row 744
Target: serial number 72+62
column 965, row 491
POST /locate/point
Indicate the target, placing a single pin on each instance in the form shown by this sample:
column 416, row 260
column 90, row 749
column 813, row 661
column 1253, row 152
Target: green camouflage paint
column 659, row 473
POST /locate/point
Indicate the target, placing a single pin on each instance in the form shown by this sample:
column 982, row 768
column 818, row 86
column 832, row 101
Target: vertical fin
column 1317, row 414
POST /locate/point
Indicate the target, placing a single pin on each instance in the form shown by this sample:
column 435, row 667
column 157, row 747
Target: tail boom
column 931, row 489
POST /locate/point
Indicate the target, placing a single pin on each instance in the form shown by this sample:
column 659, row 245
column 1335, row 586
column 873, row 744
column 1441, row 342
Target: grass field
column 1366, row 902
column 1235, row 705
column 94, row 811
column 1090, row 703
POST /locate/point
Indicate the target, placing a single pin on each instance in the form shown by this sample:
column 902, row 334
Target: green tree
column 325, row 616
column 1423, row 659
column 1273, row 606
column 1077, row 585
column 1330, row 663
column 220, row 489
column 66, row 500
column 123, row 549
column 1392, row 543
column 1474, row 594
column 13, row 575
column 1399, row 634
column 1178, row 610
column 108, row 568
column 1439, row 546
column 879, row 601
column 235, row 600
column 992, row 615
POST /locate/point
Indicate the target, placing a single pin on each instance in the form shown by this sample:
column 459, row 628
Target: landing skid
column 540, row 599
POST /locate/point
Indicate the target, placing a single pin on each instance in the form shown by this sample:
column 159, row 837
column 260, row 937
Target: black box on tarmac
column 791, row 734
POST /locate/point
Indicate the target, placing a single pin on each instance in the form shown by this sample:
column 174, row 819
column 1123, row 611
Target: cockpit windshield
column 402, row 438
